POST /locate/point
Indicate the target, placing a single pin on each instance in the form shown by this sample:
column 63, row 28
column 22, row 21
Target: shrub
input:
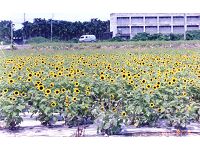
column 117, row 39
column 141, row 37
column 37, row 40
column 193, row 35
column 158, row 36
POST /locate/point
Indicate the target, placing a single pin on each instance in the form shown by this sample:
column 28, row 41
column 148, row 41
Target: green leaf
column 107, row 125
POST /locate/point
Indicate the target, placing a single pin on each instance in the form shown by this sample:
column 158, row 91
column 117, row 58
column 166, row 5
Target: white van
column 87, row 38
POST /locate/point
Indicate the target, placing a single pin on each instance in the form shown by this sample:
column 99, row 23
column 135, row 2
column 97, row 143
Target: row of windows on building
column 157, row 20
column 155, row 29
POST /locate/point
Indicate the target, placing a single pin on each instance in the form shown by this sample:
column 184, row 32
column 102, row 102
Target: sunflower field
column 108, row 88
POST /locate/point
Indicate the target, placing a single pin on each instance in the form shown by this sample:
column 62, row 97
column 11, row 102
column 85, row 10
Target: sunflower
column 148, row 86
column 5, row 90
column 184, row 80
column 23, row 94
column 67, row 104
column 41, row 87
column 9, row 75
column 76, row 90
column 102, row 108
column 29, row 79
column 11, row 81
column 159, row 110
column 63, row 90
column 30, row 75
column 123, row 113
column 143, row 81
column 56, row 91
column 67, row 99
column 48, row 91
column 151, row 105
column 173, row 80
column 184, row 93
column 88, row 88
column 56, row 67
column 60, row 73
column 16, row 93
column 102, row 77
column 76, row 84
column 74, row 99
column 112, row 97
column 37, row 74
column 12, row 98
column 123, row 75
column 51, row 84
column 112, row 80
column 114, row 109
column 155, row 87
column 87, row 93
column 53, row 104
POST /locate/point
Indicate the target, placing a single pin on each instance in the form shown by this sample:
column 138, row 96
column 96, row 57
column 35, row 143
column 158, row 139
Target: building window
column 165, row 29
column 166, row 20
column 150, row 20
column 137, row 20
column 151, row 29
column 123, row 20
column 178, row 20
column 178, row 29
column 136, row 29
column 123, row 30
column 193, row 19
column 192, row 27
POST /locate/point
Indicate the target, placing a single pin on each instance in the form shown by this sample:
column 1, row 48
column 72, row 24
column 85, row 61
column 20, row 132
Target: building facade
column 129, row 24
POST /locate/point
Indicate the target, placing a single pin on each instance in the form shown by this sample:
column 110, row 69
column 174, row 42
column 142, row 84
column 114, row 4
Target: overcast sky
column 84, row 10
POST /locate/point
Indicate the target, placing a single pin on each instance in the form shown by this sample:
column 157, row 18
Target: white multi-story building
column 129, row 24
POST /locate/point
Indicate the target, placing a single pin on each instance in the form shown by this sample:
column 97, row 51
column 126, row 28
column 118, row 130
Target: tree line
column 61, row 30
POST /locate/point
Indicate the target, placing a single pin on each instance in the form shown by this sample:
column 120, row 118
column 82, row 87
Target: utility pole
column 24, row 17
column 52, row 27
column 23, row 34
column 11, row 35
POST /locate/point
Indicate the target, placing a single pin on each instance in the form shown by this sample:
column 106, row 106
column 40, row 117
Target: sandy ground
column 30, row 127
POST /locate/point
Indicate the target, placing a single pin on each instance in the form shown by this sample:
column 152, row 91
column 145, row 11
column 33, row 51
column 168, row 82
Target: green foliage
column 64, row 30
column 141, row 37
column 37, row 40
column 157, row 37
column 193, row 35
column 5, row 31
column 117, row 39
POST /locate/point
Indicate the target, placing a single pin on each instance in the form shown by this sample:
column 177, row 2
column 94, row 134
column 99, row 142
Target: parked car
column 87, row 38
